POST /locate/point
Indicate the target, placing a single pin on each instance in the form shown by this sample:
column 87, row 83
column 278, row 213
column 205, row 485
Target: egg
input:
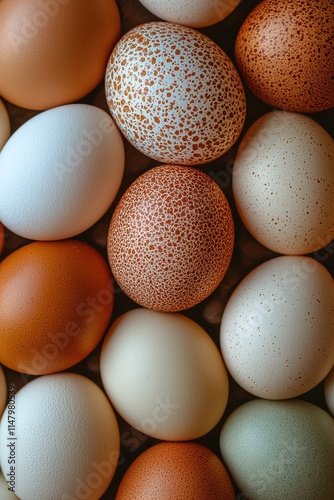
column 60, row 172
column 172, row 471
column 6, row 494
column 171, row 237
column 283, row 183
column 174, row 94
column 276, row 332
column 3, row 390
column 280, row 450
column 164, row 374
column 4, row 125
column 66, row 440
column 194, row 13
column 54, row 52
column 284, row 52
column 56, row 300
column 329, row 391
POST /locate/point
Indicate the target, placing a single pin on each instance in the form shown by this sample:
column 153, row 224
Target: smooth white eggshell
column 280, row 450
column 194, row 13
column 277, row 329
column 283, row 183
column 5, row 493
column 164, row 374
column 67, row 439
column 3, row 391
column 329, row 391
column 4, row 125
column 60, row 172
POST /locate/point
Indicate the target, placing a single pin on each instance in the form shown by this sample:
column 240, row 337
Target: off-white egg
column 4, row 125
column 283, row 183
column 164, row 374
column 60, row 172
column 194, row 13
column 3, row 390
column 279, row 450
column 329, row 391
column 277, row 330
column 64, row 442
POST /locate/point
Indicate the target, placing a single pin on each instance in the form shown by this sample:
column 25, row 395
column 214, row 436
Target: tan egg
column 176, row 471
column 54, row 52
column 175, row 94
column 171, row 238
column 284, row 51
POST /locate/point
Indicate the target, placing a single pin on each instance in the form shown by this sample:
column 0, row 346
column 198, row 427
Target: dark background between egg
column 248, row 253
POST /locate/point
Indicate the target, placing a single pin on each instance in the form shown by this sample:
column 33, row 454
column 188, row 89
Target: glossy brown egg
column 285, row 54
column 176, row 471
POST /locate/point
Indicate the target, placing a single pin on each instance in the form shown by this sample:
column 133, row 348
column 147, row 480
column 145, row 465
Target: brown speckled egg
column 174, row 94
column 56, row 300
column 171, row 238
column 284, row 51
column 176, row 471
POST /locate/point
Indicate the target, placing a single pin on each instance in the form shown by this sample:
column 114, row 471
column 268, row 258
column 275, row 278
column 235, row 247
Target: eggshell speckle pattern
column 4, row 125
column 66, row 433
column 280, row 450
column 174, row 94
column 283, row 183
column 171, row 238
column 181, row 471
column 177, row 387
column 284, row 51
column 277, row 335
column 329, row 391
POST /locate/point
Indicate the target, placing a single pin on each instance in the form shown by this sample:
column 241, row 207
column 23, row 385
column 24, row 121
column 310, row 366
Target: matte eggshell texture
column 194, row 13
column 56, row 300
column 164, row 374
column 277, row 329
column 54, row 52
column 178, row 471
column 66, row 433
column 174, row 94
column 280, row 450
column 284, row 51
column 60, row 172
column 283, row 183
column 171, row 237
column 4, row 125
column 329, row 391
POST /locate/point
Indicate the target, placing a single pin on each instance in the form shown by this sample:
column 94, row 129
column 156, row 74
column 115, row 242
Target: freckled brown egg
column 175, row 94
column 176, row 471
column 54, row 52
column 284, row 51
column 171, row 237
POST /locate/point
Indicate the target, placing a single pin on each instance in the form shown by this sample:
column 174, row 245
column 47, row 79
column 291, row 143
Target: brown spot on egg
column 284, row 51
column 171, row 238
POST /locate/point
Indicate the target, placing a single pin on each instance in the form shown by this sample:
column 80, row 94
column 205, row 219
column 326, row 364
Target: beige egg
column 174, row 94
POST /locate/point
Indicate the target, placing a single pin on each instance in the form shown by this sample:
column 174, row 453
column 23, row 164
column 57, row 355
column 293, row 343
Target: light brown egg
column 284, row 51
column 176, row 471
column 53, row 52
column 171, row 238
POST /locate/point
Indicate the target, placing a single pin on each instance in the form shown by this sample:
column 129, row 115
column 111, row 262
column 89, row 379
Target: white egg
column 194, row 13
column 164, row 374
column 277, row 329
column 3, row 391
column 329, row 391
column 60, row 172
column 283, row 183
column 64, row 442
column 280, row 450
column 4, row 125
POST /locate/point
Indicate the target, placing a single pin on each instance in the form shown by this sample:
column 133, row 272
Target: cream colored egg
column 65, row 442
column 329, row 391
column 280, row 450
column 5, row 493
column 4, row 125
column 194, row 13
column 283, row 183
column 60, row 172
column 3, row 390
column 164, row 374
column 277, row 329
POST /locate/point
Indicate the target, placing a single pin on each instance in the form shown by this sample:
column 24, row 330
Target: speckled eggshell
column 280, row 450
column 171, row 237
column 164, row 374
column 174, row 94
column 194, row 13
column 4, row 125
column 283, row 183
column 284, row 51
column 329, row 391
column 277, row 329
column 176, row 471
